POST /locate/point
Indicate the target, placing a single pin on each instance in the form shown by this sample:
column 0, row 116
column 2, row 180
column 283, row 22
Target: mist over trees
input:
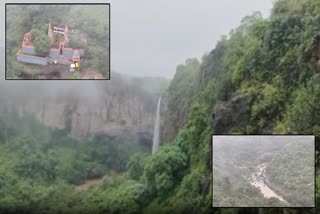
column 265, row 72
column 236, row 159
column 91, row 20
column 260, row 79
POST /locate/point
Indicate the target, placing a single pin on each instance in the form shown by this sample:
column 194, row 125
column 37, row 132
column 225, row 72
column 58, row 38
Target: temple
column 59, row 52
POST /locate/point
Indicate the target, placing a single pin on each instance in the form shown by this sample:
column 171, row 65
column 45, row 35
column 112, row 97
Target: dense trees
column 287, row 174
column 235, row 161
column 91, row 21
column 135, row 166
column 41, row 42
column 163, row 171
column 267, row 60
column 39, row 166
column 303, row 115
column 273, row 62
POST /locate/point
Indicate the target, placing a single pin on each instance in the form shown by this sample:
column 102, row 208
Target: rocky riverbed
column 258, row 180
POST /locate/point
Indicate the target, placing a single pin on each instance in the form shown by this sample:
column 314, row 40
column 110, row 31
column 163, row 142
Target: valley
column 258, row 180
column 61, row 141
column 248, row 178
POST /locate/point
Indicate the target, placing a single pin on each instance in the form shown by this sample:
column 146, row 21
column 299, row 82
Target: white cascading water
column 156, row 132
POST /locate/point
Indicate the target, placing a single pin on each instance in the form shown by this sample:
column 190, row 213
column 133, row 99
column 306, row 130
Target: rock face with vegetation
column 231, row 115
column 272, row 62
column 120, row 108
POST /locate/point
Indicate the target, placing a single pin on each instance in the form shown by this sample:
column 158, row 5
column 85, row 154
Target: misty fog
column 263, row 171
column 139, row 141
column 173, row 31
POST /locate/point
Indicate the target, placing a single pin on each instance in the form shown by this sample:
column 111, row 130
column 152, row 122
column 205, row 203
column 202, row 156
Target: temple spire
column 50, row 30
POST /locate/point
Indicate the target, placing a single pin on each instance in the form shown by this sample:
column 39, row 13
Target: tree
column 41, row 42
column 302, row 115
column 57, row 36
column 135, row 166
column 76, row 42
column 165, row 169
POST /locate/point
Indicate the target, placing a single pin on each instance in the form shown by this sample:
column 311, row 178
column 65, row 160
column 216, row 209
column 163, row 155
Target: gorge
column 259, row 180
column 119, row 108
column 262, row 78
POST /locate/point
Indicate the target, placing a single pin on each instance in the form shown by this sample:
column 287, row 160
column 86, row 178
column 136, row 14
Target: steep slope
column 118, row 108
column 289, row 177
column 262, row 78
column 273, row 64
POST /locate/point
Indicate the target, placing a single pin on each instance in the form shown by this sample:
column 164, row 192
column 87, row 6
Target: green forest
column 40, row 166
column 287, row 174
column 236, row 164
column 262, row 78
column 92, row 20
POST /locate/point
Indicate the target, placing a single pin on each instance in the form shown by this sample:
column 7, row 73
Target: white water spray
column 156, row 132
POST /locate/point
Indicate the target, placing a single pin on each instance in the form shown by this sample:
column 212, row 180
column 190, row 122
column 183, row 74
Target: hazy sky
column 151, row 37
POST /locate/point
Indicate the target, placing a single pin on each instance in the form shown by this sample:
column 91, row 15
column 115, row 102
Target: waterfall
column 156, row 132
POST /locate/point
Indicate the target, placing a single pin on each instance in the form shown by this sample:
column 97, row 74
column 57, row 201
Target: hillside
column 290, row 176
column 41, row 167
column 263, row 78
column 236, row 162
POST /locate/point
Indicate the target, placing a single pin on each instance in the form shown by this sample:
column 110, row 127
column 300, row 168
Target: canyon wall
column 115, row 108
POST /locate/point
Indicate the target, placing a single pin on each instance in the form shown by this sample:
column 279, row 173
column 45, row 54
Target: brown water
column 257, row 179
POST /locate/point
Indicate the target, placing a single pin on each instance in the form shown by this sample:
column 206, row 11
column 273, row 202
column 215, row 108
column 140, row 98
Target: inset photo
column 263, row 171
column 57, row 41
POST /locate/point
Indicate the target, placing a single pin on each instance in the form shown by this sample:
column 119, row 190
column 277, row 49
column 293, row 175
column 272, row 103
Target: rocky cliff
column 115, row 108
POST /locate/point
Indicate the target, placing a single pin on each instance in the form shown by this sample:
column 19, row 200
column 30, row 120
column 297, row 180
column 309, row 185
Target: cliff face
column 116, row 108
column 83, row 117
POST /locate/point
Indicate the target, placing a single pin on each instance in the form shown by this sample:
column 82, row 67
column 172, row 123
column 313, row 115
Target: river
column 257, row 179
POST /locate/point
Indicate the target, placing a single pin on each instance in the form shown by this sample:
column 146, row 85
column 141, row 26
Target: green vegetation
column 293, row 177
column 41, row 42
column 39, row 166
column 180, row 93
column 236, row 162
column 90, row 25
column 57, row 37
column 274, row 63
